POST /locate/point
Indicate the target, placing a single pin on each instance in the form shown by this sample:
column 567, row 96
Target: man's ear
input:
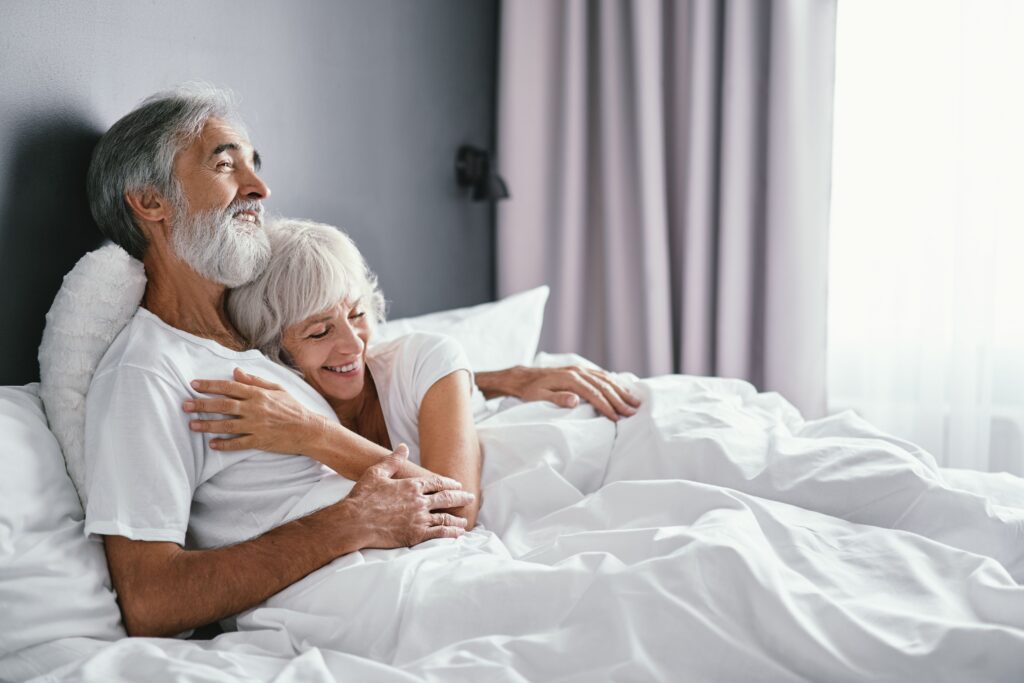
column 148, row 205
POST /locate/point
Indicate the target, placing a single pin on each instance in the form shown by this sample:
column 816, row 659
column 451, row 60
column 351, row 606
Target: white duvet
column 715, row 536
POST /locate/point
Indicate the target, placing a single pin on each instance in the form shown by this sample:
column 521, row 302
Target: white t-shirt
column 404, row 369
column 151, row 478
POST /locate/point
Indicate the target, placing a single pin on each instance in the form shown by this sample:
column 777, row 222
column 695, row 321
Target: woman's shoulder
column 418, row 352
column 414, row 344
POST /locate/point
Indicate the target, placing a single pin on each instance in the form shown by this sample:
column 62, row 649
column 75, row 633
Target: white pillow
column 54, row 581
column 495, row 335
column 98, row 298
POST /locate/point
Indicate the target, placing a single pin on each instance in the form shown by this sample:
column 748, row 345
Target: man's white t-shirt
column 151, row 478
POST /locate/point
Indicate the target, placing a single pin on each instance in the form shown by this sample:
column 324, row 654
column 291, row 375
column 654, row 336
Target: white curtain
column 926, row 300
column 668, row 162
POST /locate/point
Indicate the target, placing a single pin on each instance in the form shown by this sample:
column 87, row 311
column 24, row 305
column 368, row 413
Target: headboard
column 357, row 108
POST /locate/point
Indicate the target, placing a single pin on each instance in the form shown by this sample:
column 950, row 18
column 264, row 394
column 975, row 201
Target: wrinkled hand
column 566, row 386
column 263, row 414
column 395, row 513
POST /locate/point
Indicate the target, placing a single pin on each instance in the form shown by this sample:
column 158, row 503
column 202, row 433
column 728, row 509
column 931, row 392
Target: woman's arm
column 448, row 442
column 265, row 416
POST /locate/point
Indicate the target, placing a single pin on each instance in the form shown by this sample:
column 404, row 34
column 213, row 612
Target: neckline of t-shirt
column 210, row 344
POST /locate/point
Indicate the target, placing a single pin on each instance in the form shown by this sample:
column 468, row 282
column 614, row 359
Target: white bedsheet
column 685, row 543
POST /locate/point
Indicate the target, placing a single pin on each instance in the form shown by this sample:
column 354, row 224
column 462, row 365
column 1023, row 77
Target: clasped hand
column 395, row 513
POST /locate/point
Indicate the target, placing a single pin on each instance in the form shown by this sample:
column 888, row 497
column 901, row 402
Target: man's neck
column 184, row 299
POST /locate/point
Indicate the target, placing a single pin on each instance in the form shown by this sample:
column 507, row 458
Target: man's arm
column 562, row 386
column 163, row 589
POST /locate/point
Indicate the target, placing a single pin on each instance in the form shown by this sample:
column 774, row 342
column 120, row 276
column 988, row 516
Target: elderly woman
column 314, row 309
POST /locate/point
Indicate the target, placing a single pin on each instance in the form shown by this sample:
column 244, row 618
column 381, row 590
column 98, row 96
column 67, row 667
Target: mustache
column 245, row 205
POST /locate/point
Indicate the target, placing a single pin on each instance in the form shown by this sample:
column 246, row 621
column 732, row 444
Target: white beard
column 227, row 251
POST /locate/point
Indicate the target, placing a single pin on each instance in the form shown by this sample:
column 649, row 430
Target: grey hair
column 138, row 152
column 312, row 267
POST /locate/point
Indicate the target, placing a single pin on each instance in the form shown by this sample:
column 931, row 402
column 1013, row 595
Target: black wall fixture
column 473, row 168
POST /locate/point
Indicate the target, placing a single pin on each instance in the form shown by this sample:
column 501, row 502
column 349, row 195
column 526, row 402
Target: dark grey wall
column 356, row 106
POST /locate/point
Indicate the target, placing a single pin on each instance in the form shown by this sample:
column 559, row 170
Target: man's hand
column 164, row 589
column 562, row 386
column 395, row 513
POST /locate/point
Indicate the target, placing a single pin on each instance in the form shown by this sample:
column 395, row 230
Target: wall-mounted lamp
column 473, row 169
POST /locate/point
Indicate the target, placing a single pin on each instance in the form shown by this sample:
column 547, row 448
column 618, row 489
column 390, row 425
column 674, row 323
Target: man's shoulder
column 145, row 343
column 149, row 344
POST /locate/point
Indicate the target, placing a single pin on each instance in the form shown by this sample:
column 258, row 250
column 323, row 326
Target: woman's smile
column 347, row 370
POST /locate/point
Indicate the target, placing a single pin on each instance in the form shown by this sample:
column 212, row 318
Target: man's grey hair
column 313, row 267
column 138, row 152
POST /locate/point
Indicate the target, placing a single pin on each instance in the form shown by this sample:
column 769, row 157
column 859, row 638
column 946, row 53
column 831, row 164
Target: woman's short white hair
column 312, row 267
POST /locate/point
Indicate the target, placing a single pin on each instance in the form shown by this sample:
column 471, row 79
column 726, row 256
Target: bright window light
column 926, row 289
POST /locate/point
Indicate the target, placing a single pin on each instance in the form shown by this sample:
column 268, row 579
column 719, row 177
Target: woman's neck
column 353, row 412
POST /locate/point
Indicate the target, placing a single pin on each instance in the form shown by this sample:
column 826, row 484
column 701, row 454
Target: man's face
column 218, row 215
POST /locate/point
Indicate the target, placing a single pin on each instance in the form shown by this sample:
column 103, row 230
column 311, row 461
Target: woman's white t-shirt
column 404, row 370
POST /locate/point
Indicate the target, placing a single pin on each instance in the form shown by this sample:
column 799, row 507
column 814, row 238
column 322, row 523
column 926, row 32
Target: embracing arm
column 562, row 386
column 267, row 417
column 164, row 589
column 448, row 440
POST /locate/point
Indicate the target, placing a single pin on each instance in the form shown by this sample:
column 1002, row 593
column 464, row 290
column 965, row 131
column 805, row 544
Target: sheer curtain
column 926, row 318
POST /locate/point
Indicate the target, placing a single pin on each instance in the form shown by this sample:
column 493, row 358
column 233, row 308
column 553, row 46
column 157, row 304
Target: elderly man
column 175, row 182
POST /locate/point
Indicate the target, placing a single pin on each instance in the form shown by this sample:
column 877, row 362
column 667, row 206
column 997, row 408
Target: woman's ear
column 148, row 205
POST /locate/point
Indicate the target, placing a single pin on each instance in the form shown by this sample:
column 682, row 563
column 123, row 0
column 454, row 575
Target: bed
column 714, row 536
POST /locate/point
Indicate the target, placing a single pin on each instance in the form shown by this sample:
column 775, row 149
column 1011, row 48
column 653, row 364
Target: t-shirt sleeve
column 142, row 462
column 432, row 357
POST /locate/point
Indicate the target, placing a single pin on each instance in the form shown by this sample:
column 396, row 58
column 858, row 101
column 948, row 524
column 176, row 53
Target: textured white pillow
column 495, row 335
column 98, row 298
column 54, row 581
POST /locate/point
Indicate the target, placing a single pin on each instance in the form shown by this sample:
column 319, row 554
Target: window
column 926, row 290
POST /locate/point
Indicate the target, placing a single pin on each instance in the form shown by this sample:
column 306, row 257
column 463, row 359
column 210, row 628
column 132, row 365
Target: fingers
column 442, row 500
column 447, row 519
column 221, row 386
column 612, row 392
column 438, row 483
column 566, row 399
column 240, row 443
column 442, row 532
column 227, row 406
column 390, row 464
column 245, row 378
column 217, row 426
column 601, row 390
column 592, row 395
column 623, row 394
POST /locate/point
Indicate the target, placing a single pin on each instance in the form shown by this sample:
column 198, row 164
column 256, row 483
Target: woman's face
column 329, row 348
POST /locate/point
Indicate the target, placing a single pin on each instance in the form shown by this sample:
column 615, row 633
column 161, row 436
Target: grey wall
column 356, row 106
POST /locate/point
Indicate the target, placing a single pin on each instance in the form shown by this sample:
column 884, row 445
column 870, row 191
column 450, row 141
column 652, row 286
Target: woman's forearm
column 348, row 453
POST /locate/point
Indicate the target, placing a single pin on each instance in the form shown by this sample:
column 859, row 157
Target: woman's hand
column 261, row 413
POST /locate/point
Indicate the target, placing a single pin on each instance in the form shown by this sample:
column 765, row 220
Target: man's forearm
column 507, row 382
column 162, row 595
